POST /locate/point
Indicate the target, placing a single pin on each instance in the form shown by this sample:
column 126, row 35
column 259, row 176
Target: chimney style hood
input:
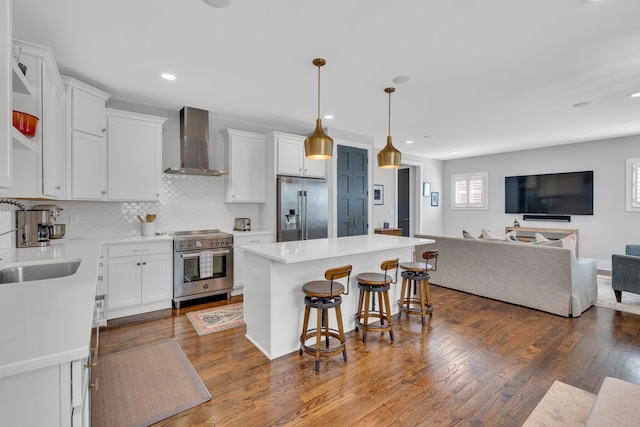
column 194, row 144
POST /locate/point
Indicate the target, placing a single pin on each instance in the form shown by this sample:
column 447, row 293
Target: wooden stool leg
column 402, row 300
column 318, row 336
column 325, row 322
column 341, row 332
column 385, row 295
column 359, row 312
column 365, row 315
column 423, row 309
column 305, row 326
column 428, row 294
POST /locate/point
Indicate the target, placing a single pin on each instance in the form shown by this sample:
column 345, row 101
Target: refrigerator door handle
column 305, row 226
column 301, row 214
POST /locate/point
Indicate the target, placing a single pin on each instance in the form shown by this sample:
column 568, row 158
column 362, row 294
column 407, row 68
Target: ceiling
column 487, row 76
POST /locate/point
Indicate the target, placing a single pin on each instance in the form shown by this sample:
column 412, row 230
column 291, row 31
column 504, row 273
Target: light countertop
column 310, row 250
column 47, row 322
column 251, row 232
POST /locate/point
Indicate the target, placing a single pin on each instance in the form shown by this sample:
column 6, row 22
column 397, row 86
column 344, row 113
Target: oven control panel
column 185, row 245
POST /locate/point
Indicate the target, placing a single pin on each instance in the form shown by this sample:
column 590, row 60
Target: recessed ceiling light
column 402, row 79
column 328, row 116
column 408, row 141
column 220, row 4
column 634, row 95
column 453, row 152
column 168, row 76
column 428, row 136
column 581, row 104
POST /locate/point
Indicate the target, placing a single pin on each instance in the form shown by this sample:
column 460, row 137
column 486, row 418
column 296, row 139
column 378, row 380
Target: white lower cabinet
column 53, row 396
column 238, row 256
column 139, row 278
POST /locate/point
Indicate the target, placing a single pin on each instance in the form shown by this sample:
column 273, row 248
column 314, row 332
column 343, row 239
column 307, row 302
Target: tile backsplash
column 187, row 202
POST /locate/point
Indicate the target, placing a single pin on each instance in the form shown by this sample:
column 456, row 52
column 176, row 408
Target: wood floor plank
column 477, row 362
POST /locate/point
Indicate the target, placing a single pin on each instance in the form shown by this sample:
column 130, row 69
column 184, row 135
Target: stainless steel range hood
column 194, row 144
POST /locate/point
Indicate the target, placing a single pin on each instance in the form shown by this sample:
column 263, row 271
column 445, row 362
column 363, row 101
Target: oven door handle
column 196, row 255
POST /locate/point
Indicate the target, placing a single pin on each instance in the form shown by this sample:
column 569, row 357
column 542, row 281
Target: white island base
column 275, row 273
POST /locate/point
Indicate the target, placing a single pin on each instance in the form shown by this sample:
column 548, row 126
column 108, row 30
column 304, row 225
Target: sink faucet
column 25, row 228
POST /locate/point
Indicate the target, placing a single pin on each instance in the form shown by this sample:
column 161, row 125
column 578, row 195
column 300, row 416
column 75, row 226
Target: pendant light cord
column 318, row 91
column 389, row 114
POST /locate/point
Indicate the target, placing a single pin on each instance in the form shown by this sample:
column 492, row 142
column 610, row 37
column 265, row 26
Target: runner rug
column 217, row 319
column 143, row 385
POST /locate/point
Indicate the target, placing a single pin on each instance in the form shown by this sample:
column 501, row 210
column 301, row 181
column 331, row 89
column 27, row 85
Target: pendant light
column 389, row 157
column 318, row 146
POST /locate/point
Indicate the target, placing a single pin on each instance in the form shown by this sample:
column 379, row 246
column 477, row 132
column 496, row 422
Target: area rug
column 562, row 406
column 217, row 319
column 606, row 298
column 143, row 385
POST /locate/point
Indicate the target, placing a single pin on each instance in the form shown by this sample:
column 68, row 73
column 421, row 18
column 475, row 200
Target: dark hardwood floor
column 477, row 362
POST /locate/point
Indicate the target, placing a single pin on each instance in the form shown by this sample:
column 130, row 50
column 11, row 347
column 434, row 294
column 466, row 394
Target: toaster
column 242, row 224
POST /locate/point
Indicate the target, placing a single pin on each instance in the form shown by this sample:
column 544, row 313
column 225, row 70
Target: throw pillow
column 509, row 237
column 568, row 242
column 555, row 243
column 487, row 235
column 467, row 235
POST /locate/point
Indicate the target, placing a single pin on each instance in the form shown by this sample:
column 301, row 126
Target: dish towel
column 206, row 264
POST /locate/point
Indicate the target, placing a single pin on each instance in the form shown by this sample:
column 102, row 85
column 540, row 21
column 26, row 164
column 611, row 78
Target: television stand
column 527, row 234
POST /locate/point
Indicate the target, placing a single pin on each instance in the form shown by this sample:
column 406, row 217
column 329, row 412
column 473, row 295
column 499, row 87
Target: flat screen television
column 569, row 193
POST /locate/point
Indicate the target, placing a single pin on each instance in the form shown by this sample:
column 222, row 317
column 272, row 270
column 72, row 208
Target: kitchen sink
column 41, row 271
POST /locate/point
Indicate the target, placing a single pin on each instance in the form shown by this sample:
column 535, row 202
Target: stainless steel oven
column 202, row 264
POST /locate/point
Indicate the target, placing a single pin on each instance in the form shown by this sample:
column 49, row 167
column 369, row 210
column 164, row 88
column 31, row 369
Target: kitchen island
column 275, row 273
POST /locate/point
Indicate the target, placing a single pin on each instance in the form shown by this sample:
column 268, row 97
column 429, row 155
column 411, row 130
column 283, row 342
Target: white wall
column 606, row 232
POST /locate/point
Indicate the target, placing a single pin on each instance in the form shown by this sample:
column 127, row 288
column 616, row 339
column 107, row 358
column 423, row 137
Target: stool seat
column 416, row 266
column 322, row 288
column 376, row 279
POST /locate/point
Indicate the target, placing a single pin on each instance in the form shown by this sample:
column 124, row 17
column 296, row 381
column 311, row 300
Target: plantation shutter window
column 470, row 191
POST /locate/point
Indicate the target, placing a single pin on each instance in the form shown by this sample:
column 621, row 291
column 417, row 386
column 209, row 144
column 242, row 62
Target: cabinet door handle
column 141, row 250
column 138, row 263
column 58, row 187
column 100, row 278
column 104, row 192
column 144, row 263
column 94, row 358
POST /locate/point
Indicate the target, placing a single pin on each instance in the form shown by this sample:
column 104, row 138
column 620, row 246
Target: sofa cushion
column 616, row 404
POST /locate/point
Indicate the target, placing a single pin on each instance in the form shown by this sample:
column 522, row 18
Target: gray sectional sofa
column 545, row 278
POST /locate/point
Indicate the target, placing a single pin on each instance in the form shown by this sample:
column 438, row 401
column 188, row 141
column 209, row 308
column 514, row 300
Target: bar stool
column 417, row 274
column 371, row 284
column 324, row 295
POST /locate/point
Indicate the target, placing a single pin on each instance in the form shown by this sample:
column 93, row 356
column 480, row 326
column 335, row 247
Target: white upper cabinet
column 290, row 158
column 6, row 69
column 246, row 181
column 134, row 159
column 86, row 139
column 41, row 93
column 53, row 163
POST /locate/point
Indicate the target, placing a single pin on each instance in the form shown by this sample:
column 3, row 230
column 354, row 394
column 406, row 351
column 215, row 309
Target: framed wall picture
column 435, row 198
column 426, row 189
column 378, row 194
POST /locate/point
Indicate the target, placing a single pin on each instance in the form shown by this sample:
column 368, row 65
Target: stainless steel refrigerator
column 303, row 209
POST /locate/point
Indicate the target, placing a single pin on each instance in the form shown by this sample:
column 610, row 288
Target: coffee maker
column 33, row 228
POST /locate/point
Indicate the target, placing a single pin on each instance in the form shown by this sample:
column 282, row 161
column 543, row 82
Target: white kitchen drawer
column 253, row 239
column 139, row 249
